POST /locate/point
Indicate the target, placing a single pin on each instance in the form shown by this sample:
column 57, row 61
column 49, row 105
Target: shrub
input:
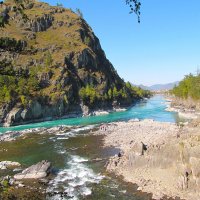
column 88, row 94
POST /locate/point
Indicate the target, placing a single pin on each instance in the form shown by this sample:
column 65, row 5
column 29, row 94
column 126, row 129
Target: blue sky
column 163, row 48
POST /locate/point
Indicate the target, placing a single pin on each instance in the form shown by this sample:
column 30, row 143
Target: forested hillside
column 189, row 87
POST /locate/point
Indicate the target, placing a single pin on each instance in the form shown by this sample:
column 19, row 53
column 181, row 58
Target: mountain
column 52, row 65
column 167, row 86
column 157, row 87
column 143, row 87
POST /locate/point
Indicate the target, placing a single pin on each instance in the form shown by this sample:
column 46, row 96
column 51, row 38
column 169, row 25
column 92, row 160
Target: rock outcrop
column 37, row 171
column 161, row 158
column 41, row 24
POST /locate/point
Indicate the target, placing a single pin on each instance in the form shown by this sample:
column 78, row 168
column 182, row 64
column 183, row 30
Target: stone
column 195, row 163
column 8, row 180
column 8, row 164
column 37, row 171
column 182, row 182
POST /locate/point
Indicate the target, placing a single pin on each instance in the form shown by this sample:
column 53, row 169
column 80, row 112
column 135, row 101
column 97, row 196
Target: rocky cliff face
column 52, row 64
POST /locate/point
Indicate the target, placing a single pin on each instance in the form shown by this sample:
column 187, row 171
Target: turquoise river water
column 153, row 108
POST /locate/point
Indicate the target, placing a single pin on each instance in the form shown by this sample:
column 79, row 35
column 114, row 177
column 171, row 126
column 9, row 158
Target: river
column 77, row 172
column 153, row 108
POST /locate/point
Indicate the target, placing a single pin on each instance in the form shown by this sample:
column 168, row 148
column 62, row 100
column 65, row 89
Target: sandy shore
column 161, row 158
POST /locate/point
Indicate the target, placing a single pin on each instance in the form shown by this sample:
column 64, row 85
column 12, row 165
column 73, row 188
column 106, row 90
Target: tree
column 115, row 93
column 189, row 87
column 134, row 7
column 88, row 94
column 79, row 13
column 110, row 93
column 59, row 4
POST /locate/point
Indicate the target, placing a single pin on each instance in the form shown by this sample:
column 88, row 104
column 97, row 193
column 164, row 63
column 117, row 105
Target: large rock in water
column 8, row 164
column 37, row 171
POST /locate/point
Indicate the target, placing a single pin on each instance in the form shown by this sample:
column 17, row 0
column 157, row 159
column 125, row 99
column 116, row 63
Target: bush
column 88, row 94
column 16, row 87
column 87, row 41
column 48, row 59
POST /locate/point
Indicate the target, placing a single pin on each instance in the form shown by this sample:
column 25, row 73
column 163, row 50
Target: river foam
column 74, row 181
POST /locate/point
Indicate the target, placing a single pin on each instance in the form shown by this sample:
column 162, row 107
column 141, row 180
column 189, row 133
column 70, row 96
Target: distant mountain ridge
column 156, row 87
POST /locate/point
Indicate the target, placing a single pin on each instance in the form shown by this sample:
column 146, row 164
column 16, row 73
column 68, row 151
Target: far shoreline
column 92, row 113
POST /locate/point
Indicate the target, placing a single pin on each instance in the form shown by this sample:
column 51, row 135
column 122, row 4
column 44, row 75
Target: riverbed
column 78, row 156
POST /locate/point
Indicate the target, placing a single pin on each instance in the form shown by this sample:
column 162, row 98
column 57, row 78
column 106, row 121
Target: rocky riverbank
column 161, row 158
column 83, row 113
column 186, row 109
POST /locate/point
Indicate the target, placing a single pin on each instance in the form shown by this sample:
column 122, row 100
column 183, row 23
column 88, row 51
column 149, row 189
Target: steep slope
column 52, row 64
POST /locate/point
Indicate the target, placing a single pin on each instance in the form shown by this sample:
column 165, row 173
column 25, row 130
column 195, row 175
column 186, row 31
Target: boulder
column 8, row 164
column 37, row 171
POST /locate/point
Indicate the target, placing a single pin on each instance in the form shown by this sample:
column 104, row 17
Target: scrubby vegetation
column 137, row 91
column 16, row 85
column 11, row 44
column 90, row 95
column 189, row 87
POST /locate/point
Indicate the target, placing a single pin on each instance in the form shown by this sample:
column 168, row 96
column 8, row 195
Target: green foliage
column 5, row 183
column 24, row 100
column 48, row 59
column 66, row 99
column 16, row 88
column 7, row 96
column 18, row 8
column 115, row 93
column 189, row 87
column 110, row 94
column 137, row 92
column 88, row 94
column 134, row 7
column 87, row 41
